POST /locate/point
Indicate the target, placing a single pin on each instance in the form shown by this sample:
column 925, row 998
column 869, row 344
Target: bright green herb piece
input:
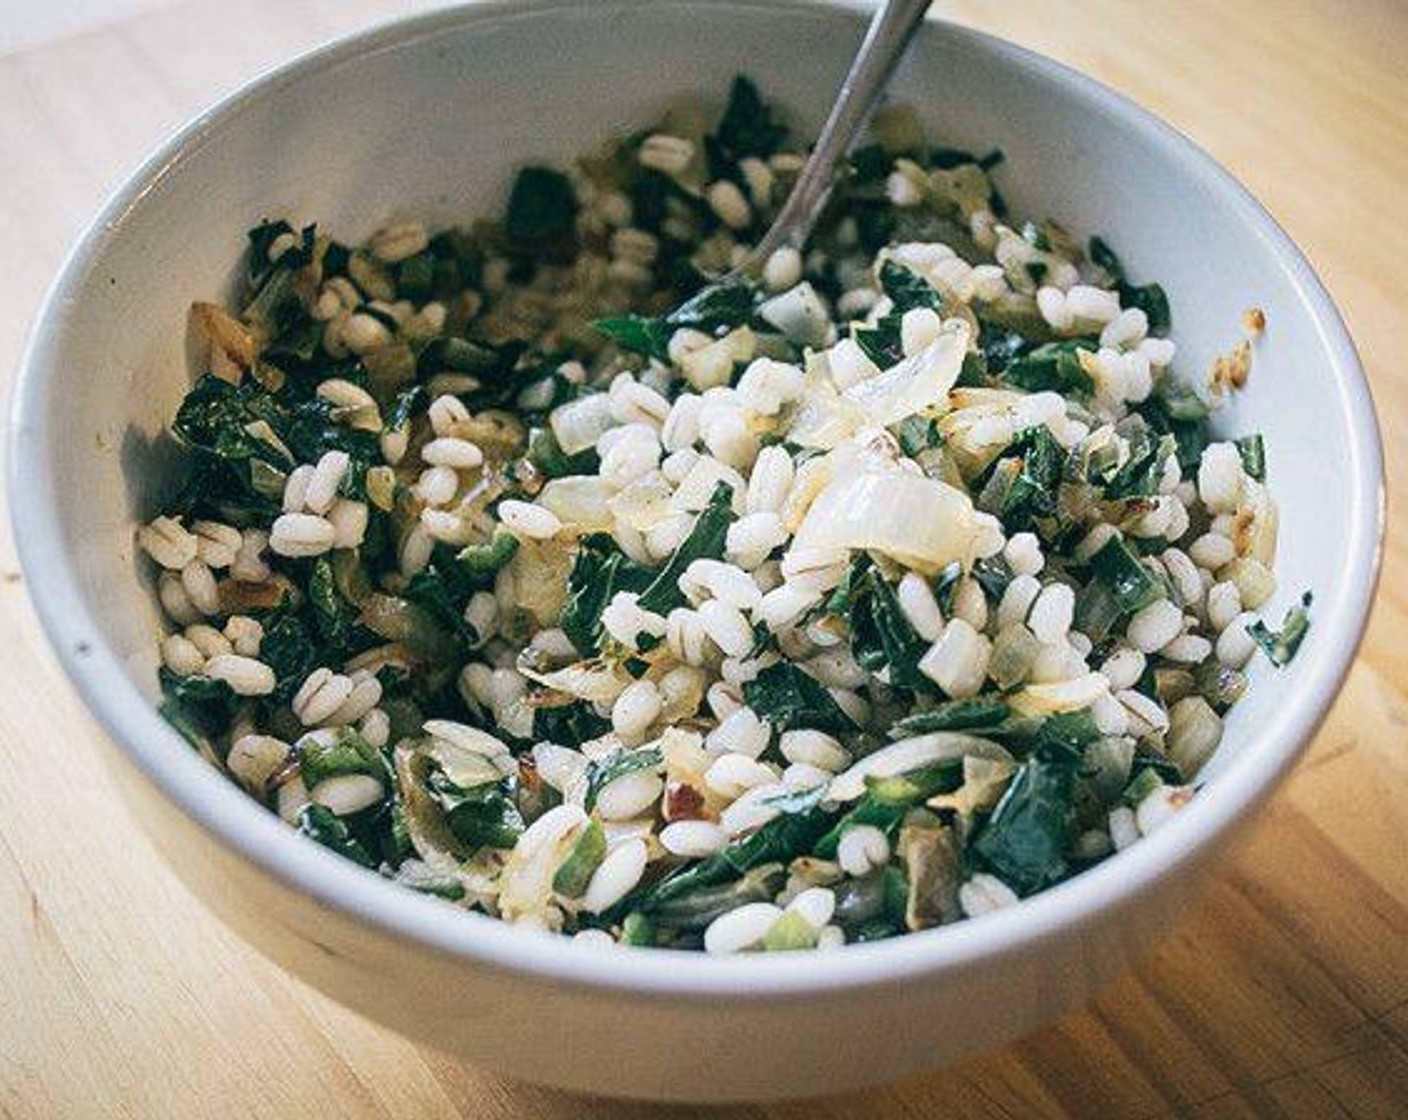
column 789, row 932
column 1281, row 646
column 577, row 869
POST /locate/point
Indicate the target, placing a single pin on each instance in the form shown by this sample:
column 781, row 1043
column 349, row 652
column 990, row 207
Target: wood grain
column 1285, row 994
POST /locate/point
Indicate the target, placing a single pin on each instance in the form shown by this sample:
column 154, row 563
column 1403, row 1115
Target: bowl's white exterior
column 427, row 118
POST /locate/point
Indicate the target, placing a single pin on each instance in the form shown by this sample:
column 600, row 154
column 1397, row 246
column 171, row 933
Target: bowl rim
column 217, row 806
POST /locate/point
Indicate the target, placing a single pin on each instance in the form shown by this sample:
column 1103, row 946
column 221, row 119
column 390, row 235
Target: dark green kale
column 1026, row 840
column 274, row 309
column 747, row 128
column 714, row 309
column 1252, row 449
column 780, row 840
column 317, row 822
column 1174, row 408
column 786, row 697
column 907, row 291
column 1149, row 298
column 1000, row 346
column 334, row 617
column 1053, row 366
column 704, row 542
column 976, row 715
column 196, row 706
column 442, row 590
column 542, row 207
column 288, row 647
column 547, row 456
column 599, row 571
column 569, row 725
column 882, row 638
column 1119, row 585
column 483, row 816
column 887, row 801
column 340, row 752
column 1022, row 484
column 1141, row 472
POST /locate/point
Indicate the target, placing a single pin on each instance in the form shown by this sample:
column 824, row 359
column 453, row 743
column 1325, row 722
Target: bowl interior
column 430, row 120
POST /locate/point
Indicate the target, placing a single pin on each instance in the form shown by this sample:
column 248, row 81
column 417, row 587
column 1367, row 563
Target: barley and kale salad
column 524, row 566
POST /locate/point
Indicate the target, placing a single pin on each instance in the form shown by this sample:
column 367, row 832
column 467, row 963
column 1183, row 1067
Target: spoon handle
column 891, row 29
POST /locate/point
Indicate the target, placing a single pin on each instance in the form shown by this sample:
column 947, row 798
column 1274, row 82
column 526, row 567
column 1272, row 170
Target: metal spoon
column 891, row 29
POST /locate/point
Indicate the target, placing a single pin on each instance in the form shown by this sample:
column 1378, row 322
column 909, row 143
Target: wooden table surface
column 1284, row 994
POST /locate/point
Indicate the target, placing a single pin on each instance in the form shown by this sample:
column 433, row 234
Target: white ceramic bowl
column 428, row 117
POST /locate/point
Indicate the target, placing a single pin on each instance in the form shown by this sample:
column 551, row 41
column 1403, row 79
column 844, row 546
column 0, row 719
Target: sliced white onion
column 823, row 418
column 964, row 430
column 916, row 383
column 580, row 501
column 697, row 487
column 1059, row 696
column 526, row 885
column 923, row 523
column 826, row 417
column 467, row 738
column 597, row 681
column 466, row 768
column 644, row 503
